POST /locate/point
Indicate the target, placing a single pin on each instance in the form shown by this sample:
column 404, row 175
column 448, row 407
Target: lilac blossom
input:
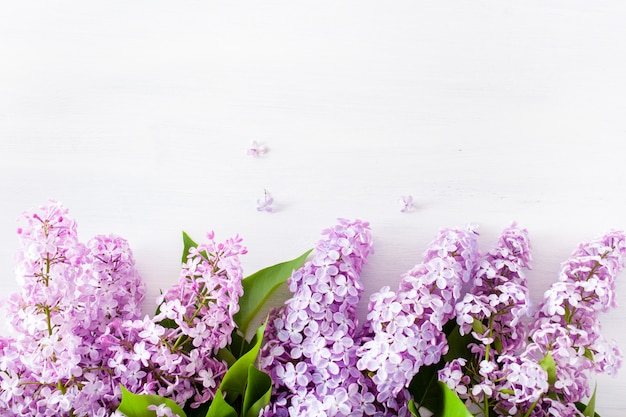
column 519, row 381
column 510, row 369
column 507, row 383
column 256, row 149
column 492, row 311
column 161, row 410
column 174, row 353
column 498, row 300
column 53, row 364
column 77, row 332
column 406, row 203
column 310, row 353
column 453, row 375
column 405, row 328
column 77, row 335
column 567, row 326
column 266, row 203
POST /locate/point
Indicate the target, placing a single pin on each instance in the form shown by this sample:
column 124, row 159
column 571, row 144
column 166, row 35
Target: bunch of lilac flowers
column 480, row 304
column 311, row 351
column 543, row 370
column 492, row 312
column 460, row 317
column 77, row 332
column 54, row 363
column 405, row 328
column 173, row 354
column 567, row 327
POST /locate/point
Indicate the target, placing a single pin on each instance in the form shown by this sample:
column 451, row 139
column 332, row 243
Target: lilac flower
column 523, row 381
column 549, row 407
column 498, row 299
column 161, row 410
column 565, row 331
column 78, row 335
column 492, row 311
column 69, row 291
column 405, row 329
column 311, row 350
column 179, row 362
column 454, row 377
column 119, row 283
column 567, row 327
column 265, row 203
column 406, row 203
column 256, row 149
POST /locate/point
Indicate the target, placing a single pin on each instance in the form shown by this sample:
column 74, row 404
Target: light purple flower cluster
column 310, row 353
column 78, row 336
column 493, row 311
column 77, row 332
column 499, row 294
column 405, row 328
column 542, row 370
column 173, row 354
column 567, row 327
column 54, row 363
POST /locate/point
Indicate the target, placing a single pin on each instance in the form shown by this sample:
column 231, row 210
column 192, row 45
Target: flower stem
column 487, row 352
column 46, row 309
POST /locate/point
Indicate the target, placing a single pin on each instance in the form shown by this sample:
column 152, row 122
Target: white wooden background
column 137, row 116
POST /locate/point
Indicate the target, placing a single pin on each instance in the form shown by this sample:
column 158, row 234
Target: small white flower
column 265, row 203
column 406, row 203
column 161, row 410
column 256, row 149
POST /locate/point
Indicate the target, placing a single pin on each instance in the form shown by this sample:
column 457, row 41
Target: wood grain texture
column 137, row 116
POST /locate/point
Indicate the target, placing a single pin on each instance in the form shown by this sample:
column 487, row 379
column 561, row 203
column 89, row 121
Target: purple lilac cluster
column 54, row 363
column 174, row 353
column 405, row 328
column 493, row 311
column 77, row 332
column 310, row 353
column 567, row 329
column 542, row 370
column 498, row 296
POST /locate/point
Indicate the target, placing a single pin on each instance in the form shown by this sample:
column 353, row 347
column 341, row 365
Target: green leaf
column 226, row 356
column 220, row 408
column 188, row 243
column 457, row 344
column 200, row 411
column 497, row 344
column 235, row 379
column 590, row 410
column 478, row 326
column 136, row 405
column 239, row 345
column 258, row 287
column 452, row 404
column 548, row 365
column 425, row 390
column 258, row 392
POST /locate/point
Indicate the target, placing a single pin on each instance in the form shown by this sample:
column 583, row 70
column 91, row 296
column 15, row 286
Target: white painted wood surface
column 137, row 116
